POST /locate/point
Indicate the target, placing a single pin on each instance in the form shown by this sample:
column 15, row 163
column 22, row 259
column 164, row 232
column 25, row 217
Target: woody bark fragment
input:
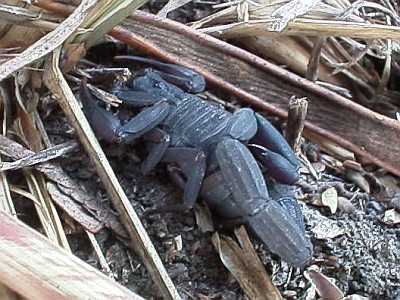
column 268, row 87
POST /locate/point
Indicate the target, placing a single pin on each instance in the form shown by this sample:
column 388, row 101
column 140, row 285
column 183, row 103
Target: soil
column 362, row 255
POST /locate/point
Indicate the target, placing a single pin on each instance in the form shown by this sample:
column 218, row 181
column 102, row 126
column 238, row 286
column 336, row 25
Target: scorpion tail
column 185, row 78
column 275, row 227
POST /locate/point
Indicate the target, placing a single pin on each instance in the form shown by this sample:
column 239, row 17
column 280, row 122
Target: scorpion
column 220, row 156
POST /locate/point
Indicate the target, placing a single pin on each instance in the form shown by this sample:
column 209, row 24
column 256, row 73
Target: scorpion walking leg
column 188, row 159
column 266, row 219
column 157, row 151
column 176, row 176
column 193, row 160
column 193, row 163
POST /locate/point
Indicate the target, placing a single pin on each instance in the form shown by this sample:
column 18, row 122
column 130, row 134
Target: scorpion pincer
column 210, row 146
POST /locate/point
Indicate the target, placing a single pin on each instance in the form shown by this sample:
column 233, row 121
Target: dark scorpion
column 211, row 148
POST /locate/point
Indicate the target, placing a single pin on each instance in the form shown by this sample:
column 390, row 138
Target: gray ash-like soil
column 366, row 256
column 364, row 259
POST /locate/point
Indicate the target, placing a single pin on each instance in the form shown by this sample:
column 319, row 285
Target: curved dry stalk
column 57, row 84
column 52, row 272
column 49, row 42
column 268, row 87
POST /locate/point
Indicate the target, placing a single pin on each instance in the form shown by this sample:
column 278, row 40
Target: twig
column 39, row 157
column 296, row 120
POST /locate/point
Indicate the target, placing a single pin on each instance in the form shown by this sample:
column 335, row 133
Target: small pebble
column 289, row 294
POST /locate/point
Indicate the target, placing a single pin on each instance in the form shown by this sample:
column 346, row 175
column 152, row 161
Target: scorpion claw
column 103, row 121
column 242, row 174
column 278, row 228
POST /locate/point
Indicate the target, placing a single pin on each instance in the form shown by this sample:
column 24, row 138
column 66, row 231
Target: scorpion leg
column 176, row 176
column 188, row 159
column 267, row 219
column 157, row 151
column 185, row 78
column 137, row 98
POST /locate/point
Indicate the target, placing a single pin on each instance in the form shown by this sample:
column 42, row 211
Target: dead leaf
column 324, row 286
column 244, row 264
column 204, row 218
column 329, row 198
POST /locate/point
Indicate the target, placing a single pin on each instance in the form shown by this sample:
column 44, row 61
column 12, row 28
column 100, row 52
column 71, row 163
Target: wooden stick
column 295, row 123
column 38, row 269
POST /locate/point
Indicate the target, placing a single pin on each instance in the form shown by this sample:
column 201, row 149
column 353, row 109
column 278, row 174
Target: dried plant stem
column 306, row 27
column 296, row 120
column 52, row 272
column 141, row 242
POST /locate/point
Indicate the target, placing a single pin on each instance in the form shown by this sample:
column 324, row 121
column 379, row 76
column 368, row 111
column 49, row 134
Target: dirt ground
column 356, row 249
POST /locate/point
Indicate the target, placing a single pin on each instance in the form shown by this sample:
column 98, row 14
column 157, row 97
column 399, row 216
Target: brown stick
column 295, row 123
column 263, row 85
column 268, row 87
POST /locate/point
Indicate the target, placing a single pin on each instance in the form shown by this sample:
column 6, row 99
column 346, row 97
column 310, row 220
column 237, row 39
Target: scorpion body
column 209, row 145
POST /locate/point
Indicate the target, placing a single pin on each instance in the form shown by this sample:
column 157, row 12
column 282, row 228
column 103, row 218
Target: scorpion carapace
column 218, row 153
